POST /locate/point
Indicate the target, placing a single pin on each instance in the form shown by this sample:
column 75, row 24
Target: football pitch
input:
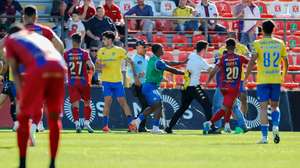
column 185, row 149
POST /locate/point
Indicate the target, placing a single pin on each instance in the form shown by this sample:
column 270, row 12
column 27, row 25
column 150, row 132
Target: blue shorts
column 266, row 92
column 114, row 89
column 151, row 93
column 242, row 87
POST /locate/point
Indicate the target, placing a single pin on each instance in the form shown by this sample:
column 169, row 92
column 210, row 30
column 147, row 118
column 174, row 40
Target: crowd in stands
column 92, row 17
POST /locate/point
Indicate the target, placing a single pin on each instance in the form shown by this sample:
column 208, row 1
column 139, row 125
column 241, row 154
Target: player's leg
column 153, row 98
column 54, row 97
column 119, row 92
column 75, row 113
column 28, row 106
column 217, row 105
column 275, row 95
column 157, row 108
column 263, row 93
column 203, row 99
column 87, row 110
column 107, row 92
column 239, row 117
column 142, row 100
column 186, row 99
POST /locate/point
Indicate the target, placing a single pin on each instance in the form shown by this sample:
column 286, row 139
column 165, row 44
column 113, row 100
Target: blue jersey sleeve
column 160, row 65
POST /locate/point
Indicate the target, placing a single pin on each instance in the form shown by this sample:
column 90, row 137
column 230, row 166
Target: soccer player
column 109, row 62
column 30, row 18
column 44, row 82
column 79, row 63
column 241, row 106
column 9, row 90
column 194, row 66
column 140, row 61
column 230, row 68
column 154, row 76
column 269, row 52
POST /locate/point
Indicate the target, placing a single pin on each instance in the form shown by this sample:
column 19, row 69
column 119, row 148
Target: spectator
column 113, row 12
column 3, row 26
column 99, row 24
column 87, row 10
column 74, row 26
column 141, row 9
column 248, row 28
column 184, row 10
column 10, row 8
column 71, row 6
column 189, row 3
column 94, row 47
column 209, row 9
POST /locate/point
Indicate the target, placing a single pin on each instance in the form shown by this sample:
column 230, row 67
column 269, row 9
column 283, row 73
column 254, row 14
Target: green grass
column 185, row 149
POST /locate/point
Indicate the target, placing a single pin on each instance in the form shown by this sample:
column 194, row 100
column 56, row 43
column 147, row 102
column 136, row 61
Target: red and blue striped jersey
column 31, row 50
column 231, row 66
column 41, row 29
column 76, row 59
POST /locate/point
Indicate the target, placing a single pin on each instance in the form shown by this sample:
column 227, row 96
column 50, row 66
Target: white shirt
column 75, row 27
column 212, row 10
column 248, row 24
column 195, row 65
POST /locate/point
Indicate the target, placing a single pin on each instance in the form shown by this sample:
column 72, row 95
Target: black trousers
column 137, row 92
column 188, row 95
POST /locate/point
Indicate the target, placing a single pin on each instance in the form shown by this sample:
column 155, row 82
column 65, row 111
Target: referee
column 193, row 89
column 140, row 63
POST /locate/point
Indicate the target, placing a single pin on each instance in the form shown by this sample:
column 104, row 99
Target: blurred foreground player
column 79, row 63
column 45, row 70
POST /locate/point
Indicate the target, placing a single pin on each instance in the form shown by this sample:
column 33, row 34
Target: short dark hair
column 156, row 48
column 99, row 7
column 140, row 43
column 201, row 45
column 109, row 34
column 230, row 43
column 30, row 10
column 14, row 28
column 268, row 26
column 76, row 38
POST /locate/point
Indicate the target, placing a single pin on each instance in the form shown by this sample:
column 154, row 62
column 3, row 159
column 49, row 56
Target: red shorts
column 230, row 95
column 78, row 92
column 42, row 86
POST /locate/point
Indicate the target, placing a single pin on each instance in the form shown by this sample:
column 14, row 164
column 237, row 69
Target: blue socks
column 264, row 129
column 275, row 118
column 105, row 121
column 156, row 122
column 129, row 119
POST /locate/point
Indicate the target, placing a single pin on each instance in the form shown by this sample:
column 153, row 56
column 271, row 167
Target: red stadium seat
column 224, row 9
column 289, row 82
column 180, row 41
column 297, row 78
column 294, row 9
column 197, row 38
column 183, row 56
column 292, row 63
column 168, row 56
column 263, row 10
column 163, row 40
column 141, row 37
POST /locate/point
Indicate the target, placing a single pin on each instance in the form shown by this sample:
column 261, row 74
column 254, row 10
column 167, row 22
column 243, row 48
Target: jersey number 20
column 232, row 73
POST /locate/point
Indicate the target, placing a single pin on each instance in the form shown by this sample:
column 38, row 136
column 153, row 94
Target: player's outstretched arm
column 212, row 73
column 250, row 66
column 174, row 70
column 58, row 44
column 286, row 66
column 171, row 63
